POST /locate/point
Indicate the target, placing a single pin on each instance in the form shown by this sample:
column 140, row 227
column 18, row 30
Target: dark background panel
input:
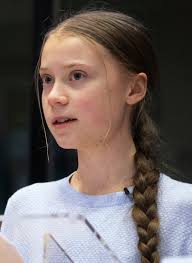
column 23, row 23
column 16, row 73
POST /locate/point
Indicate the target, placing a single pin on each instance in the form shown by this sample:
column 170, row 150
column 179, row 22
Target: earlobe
column 137, row 89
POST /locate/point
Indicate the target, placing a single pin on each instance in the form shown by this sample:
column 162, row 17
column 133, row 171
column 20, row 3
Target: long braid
column 145, row 181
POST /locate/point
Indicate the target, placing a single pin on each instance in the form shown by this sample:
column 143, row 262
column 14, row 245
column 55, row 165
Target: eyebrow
column 65, row 66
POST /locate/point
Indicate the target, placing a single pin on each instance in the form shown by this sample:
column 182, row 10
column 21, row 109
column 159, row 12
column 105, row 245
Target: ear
column 137, row 89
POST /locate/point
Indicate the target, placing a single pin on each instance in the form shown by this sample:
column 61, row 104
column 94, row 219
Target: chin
column 66, row 144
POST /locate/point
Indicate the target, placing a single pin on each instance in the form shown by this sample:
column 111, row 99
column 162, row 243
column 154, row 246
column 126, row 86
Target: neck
column 106, row 169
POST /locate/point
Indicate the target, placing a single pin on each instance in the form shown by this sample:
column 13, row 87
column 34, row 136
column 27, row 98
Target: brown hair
column 128, row 41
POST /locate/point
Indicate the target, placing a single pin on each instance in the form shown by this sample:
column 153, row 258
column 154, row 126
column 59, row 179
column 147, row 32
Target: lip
column 56, row 124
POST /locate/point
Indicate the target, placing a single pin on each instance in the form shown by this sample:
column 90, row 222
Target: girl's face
column 84, row 90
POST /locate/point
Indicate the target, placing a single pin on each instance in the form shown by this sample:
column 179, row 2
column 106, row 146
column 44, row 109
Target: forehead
column 69, row 49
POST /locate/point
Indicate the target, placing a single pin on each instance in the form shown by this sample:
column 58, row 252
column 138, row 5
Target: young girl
column 98, row 70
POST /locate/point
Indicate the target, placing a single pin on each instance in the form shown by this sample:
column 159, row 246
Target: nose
column 58, row 95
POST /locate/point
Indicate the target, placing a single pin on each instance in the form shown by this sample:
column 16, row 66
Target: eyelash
column 47, row 79
column 77, row 72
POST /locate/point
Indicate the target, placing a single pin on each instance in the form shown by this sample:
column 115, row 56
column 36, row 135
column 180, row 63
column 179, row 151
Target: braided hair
column 146, row 187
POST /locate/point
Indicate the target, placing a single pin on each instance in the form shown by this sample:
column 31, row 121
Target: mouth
column 60, row 122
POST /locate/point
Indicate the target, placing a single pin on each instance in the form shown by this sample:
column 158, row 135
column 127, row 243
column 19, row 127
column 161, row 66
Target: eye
column 77, row 75
column 46, row 79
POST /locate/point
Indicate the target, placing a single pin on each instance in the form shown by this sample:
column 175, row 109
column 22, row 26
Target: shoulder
column 36, row 197
column 174, row 198
column 177, row 191
column 39, row 198
column 175, row 211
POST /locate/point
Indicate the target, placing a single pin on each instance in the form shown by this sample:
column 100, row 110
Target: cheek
column 44, row 107
column 43, row 104
column 93, row 109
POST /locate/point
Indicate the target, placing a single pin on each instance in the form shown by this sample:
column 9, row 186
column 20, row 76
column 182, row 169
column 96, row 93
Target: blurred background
column 23, row 23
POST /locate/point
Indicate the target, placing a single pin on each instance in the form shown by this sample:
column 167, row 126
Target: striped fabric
column 109, row 215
